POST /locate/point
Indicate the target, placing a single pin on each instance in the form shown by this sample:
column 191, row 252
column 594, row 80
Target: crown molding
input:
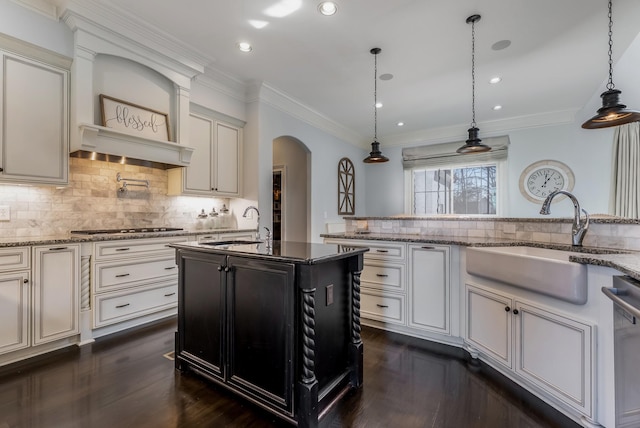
column 40, row 6
column 490, row 128
column 223, row 83
column 287, row 104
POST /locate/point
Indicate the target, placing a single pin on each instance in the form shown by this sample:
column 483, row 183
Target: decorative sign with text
column 134, row 119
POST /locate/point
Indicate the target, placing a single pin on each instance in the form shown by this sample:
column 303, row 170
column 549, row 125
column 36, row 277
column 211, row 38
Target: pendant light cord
column 610, row 85
column 375, row 96
column 473, row 73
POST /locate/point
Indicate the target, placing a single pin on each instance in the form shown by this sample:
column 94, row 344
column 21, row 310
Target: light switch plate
column 5, row 213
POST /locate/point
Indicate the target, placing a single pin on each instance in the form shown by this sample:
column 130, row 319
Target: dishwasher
column 625, row 294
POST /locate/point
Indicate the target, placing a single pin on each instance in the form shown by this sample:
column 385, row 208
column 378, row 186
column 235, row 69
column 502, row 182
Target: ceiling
column 556, row 61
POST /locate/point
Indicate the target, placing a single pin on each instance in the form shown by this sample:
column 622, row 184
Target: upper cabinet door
column 216, row 165
column 35, row 115
column 226, row 176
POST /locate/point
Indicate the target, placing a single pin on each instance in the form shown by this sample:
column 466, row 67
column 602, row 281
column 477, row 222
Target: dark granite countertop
column 71, row 239
column 284, row 251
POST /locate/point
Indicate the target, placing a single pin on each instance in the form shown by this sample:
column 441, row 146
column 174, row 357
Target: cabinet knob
column 507, row 308
column 226, row 269
column 515, row 312
column 1, row 169
column 219, row 268
column 25, row 281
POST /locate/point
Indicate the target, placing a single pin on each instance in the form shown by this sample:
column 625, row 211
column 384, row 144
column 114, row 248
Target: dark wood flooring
column 125, row 381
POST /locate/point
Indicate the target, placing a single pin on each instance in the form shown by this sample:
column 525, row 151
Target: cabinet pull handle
column 507, row 308
column 123, row 249
column 122, row 306
column 169, row 268
column 515, row 312
column 169, row 294
column 122, row 275
column 382, row 275
column 381, row 306
column 206, row 237
column 382, row 251
column 57, row 248
column 428, row 248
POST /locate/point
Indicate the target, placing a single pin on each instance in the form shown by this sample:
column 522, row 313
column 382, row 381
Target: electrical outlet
column 5, row 213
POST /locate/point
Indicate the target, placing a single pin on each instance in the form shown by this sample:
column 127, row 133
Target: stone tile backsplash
column 92, row 201
column 606, row 235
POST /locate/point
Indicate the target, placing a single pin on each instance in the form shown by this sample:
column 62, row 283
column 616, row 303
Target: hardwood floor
column 125, row 381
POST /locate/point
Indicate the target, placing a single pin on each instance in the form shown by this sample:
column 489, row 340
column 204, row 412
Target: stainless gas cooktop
column 125, row 230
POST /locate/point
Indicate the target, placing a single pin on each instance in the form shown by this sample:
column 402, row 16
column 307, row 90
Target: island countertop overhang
column 285, row 251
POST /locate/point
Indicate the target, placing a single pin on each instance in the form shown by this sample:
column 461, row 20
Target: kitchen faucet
column 251, row 207
column 579, row 228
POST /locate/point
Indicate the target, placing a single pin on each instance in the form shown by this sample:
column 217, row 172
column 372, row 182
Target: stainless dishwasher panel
column 626, row 318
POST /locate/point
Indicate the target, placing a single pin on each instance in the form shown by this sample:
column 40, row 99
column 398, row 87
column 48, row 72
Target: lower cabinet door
column 543, row 337
column 261, row 334
column 14, row 311
column 202, row 311
column 56, row 295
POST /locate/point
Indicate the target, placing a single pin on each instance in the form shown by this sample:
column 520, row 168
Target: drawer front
column 383, row 276
column 387, row 308
column 114, row 275
column 14, row 258
column 136, row 247
column 385, row 251
column 115, row 307
column 378, row 250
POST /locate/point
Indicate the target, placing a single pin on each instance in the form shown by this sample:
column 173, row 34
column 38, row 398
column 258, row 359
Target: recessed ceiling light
column 400, row 123
column 378, row 104
column 244, row 47
column 498, row 107
column 495, row 80
column 327, row 8
column 502, row 44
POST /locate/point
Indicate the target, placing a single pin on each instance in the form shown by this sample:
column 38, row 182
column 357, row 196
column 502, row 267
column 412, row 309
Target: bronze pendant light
column 612, row 113
column 473, row 143
column 376, row 155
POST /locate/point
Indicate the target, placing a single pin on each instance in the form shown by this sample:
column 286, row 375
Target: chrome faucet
column 249, row 208
column 579, row 228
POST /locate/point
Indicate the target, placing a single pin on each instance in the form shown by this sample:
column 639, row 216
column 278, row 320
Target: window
column 459, row 190
column 440, row 181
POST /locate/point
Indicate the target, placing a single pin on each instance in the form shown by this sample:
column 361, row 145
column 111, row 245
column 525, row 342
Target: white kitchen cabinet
column 216, row 167
column 218, row 236
column 526, row 337
column 34, row 121
column 133, row 278
column 56, row 292
column 14, row 309
column 429, row 287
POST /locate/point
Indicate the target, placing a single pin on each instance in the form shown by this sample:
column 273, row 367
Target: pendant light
column 473, row 143
column 376, row 155
column 612, row 113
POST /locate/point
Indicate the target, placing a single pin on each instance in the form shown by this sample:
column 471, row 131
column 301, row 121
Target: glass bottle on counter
column 200, row 221
column 213, row 222
column 224, row 217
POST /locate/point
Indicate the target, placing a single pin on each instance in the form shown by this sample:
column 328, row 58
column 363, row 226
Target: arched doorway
column 291, row 189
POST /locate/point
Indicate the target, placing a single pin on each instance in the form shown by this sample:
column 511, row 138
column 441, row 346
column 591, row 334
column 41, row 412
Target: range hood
column 102, row 143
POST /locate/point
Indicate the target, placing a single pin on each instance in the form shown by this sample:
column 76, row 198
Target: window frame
column 501, row 186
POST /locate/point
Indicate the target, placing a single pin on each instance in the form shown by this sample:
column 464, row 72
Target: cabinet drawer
column 388, row 308
column 137, row 247
column 114, row 275
column 123, row 305
column 14, row 258
column 383, row 276
column 384, row 251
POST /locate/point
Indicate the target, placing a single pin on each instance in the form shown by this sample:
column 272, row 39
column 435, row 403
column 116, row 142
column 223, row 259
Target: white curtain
column 626, row 170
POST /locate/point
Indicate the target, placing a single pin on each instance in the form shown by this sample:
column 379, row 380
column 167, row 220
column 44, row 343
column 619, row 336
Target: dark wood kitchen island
column 279, row 325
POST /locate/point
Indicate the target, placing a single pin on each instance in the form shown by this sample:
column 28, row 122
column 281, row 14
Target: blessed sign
column 135, row 119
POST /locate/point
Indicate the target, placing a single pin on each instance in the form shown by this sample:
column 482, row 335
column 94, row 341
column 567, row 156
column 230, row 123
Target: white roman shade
column 436, row 155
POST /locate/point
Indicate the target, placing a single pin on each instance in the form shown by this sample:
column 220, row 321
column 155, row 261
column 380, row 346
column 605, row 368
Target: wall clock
column 346, row 187
column 541, row 178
